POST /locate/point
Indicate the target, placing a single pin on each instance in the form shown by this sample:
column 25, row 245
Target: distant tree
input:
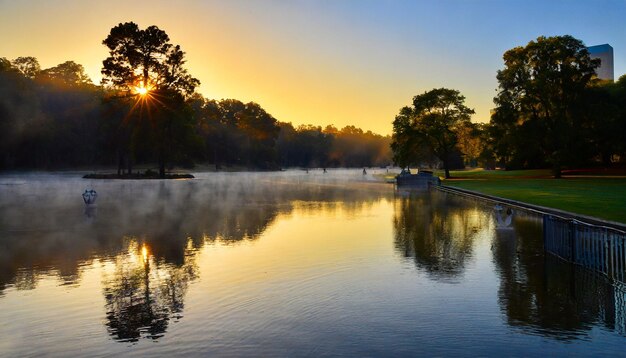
column 540, row 88
column 28, row 66
column 261, row 131
column 5, row 65
column 352, row 147
column 430, row 126
column 470, row 141
column 68, row 73
column 312, row 146
column 144, row 65
column 23, row 126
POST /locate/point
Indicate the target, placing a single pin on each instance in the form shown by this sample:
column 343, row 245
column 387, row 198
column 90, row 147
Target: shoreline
column 535, row 208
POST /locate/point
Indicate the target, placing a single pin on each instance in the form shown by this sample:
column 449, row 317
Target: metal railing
column 599, row 248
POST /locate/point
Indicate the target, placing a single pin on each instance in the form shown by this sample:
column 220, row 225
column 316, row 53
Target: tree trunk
column 129, row 164
column 556, row 171
column 606, row 159
column 120, row 162
column 161, row 169
column 217, row 166
column 161, row 161
column 446, row 169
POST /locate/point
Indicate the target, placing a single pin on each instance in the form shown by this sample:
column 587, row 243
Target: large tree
column 540, row 89
column 430, row 125
column 145, row 67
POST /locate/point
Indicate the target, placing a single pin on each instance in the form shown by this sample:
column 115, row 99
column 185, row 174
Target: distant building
column 605, row 54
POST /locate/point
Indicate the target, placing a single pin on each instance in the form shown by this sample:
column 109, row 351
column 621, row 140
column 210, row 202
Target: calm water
column 284, row 264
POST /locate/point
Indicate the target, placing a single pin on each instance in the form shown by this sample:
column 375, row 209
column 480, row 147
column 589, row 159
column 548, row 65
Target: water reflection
column 289, row 267
column 541, row 294
column 45, row 228
column 143, row 293
column 437, row 231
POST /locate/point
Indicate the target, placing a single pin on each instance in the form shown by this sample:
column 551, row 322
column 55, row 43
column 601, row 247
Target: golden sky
column 312, row 62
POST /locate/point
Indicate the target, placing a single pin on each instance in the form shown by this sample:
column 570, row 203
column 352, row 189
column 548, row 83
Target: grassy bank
column 598, row 196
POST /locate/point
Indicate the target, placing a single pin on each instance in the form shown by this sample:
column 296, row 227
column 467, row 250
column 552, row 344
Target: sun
column 141, row 90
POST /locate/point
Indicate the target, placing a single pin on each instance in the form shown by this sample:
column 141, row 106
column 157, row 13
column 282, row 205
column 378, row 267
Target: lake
column 285, row 264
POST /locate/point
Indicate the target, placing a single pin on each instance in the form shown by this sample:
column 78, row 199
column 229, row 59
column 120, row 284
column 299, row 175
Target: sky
column 340, row 62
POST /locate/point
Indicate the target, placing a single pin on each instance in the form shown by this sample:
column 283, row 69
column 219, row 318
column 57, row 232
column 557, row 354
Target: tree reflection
column 46, row 231
column 142, row 292
column 542, row 294
column 437, row 231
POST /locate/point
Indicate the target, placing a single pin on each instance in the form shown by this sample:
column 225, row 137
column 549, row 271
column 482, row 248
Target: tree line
column 551, row 111
column 147, row 112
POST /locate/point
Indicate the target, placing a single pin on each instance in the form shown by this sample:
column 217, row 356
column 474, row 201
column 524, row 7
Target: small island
column 148, row 174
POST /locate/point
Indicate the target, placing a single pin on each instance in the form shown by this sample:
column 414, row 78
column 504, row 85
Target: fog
column 44, row 223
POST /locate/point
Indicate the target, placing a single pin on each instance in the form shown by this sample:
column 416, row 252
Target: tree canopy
column 55, row 118
column 540, row 91
column 145, row 59
column 430, row 127
column 144, row 64
column 68, row 73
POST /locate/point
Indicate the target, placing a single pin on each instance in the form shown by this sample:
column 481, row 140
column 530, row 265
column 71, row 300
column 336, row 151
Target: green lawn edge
column 602, row 197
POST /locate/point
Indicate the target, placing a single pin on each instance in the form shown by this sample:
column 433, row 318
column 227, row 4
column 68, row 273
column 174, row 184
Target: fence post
column 572, row 239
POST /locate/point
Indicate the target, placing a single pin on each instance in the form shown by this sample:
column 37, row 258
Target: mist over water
column 283, row 263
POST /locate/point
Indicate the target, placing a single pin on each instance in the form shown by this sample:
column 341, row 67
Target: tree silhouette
column 145, row 66
column 27, row 65
column 540, row 88
column 430, row 124
column 68, row 73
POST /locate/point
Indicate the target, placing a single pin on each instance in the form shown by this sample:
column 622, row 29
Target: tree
column 471, row 141
column 145, row 66
column 430, row 127
column 539, row 89
column 28, row 66
column 68, row 73
column 261, row 132
column 5, row 65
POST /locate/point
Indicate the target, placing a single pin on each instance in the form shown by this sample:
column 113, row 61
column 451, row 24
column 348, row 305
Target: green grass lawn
column 601, row 197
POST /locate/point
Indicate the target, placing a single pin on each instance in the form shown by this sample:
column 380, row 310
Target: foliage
column 27, row 66
column 351, row 147
column 45, row 124
column 145, row 58
column 69, row 73
column 143, row 64
column 537, row 106
column 430, row 127
column 57, row 118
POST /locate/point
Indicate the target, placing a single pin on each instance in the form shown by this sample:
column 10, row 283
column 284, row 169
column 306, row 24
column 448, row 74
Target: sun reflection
column 145, row 294
column 144, row 253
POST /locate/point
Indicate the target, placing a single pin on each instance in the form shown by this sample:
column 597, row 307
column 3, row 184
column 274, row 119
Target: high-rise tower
column 605, row 54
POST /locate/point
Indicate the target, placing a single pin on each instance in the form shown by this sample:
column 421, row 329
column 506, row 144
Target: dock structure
column 423, row 179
